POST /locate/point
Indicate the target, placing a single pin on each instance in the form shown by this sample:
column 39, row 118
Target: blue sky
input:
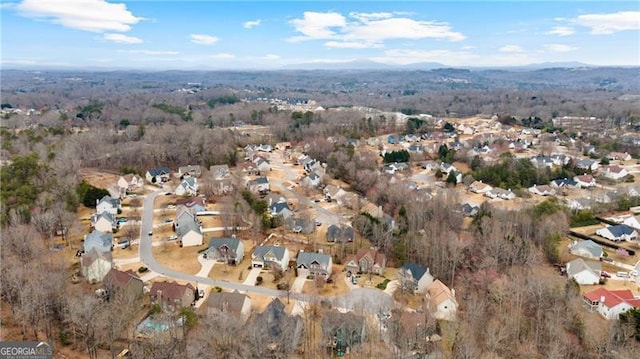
column 270, row 35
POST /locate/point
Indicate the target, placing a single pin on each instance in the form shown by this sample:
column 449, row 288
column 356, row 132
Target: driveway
column 251, row 277
column 298, row 284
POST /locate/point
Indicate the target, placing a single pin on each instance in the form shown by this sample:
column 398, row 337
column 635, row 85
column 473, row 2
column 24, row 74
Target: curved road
column 370, row 300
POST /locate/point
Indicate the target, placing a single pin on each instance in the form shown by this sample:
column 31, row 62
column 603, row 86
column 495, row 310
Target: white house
column 188, row 187
column 108, row 204
column 270, row 257
column 632, row 221
column 585, row 181
column 441, row 301
column 104, row 222
column 259, row 185
column 584, row 272
column 543, row 190
column 311, row 181
column 618, row 233
column 158, row 175
column 614, row 172
column 225, row 250
column 610, row 303
column 414, row 277
column 587, row 249
column 588, row 164
column 129, row 182
column 94, row 265
column 500, row 193
column 480, row 187
column 188, row 229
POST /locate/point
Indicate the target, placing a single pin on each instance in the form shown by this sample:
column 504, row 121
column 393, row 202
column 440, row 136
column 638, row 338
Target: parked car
column 151, row 233
column 173, row 238
column 605, row 274
column 622, row 274
column 121, row 220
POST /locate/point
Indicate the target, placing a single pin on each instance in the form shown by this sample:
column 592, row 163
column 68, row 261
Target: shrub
column 283, row 286
column 383, row 285
column 143, row 269
column 217, row 289
column 258, row 280
column 155, row 308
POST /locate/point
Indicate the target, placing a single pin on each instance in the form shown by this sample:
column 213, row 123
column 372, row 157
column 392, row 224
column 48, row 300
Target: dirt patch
column 99, row 179
column 180, row 259
column 268, row 279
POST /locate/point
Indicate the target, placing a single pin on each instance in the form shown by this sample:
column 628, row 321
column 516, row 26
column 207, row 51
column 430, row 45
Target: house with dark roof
column 366, row 260
column 187, row 227
column 278, row 331
column 468, row 210
column 259, row 185
column 125, row 282
column 340, row 233
column 108, row 204
column 610, row 303
column 311, row 181
column 270, row 257
column 584, row 272
column 235, row 305
column 280, row 209
column 300, row 225
column 414, row 278
column 95, row 264
column 587, row 249
column 171, row 295
column 225, row 250
column 102, row 242
column 187, row 187
column 343, row 331
column 158, row 175
column 620, row 232
column 311, row 264
column 564, row 183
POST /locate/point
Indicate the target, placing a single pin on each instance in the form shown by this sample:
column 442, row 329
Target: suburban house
column 94, row 265
column 104, row 222
column 408, row 329
column 171, row 295
column 221, row 186
column 225, row 250
column 500, row 193
column 189, row 171
column 415, row 278
column 187, row 187
column 441, row 301
column 343, row 331
column 366, row 261
column 311, row 181
column 416, row 149
column 620, row 232
column 220, row 171
column 235, row 305
column 314, row 264
column 249, row 168
column 108, row 204
column 340, row 233
column 259, row 185
column 129, row 183
column 585, row 181
column 280, row 209
column 619, row 156
column 188, row 230
column 579, row 203
column 614, row 172
column 270, row 257
column 610, row 303
column 125, row 282
column 158, row 175
column 543, row 190
column 480, row 187
column 300, row 225
column 587, row 249
column 192, row 205
column 632, row 221
column 588, row 164
column 447, row 168
column 281, row 330
column 333, row 192
column 564, row 183
column 272, row 198
column 262, row 164
column 469, row 210
column 542, row 162
column 265, row 148
column 584, row 272
column 102, row 242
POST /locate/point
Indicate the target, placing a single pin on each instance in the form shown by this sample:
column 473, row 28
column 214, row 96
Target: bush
column 383, row 285
column 283, row 286
column 258, row 280
column 143, row 269
column 64, row 338
column 217, row 289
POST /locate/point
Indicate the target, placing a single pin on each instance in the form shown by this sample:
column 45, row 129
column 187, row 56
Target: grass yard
column 230, row 273
column 180, row 259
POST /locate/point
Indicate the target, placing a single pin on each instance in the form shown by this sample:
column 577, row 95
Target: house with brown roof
column 129, row 182
column 171, row 295
column 614, row 172
column 585, row 181
column 480, row 187
column 367, row 261
column 126, row 282
column 441, row 301
column 234, row 304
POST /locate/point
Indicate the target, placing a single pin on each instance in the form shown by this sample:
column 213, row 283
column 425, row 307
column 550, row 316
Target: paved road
column 369, row 300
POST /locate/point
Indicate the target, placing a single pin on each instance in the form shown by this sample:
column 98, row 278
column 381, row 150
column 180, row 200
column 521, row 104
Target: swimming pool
column 152, row 325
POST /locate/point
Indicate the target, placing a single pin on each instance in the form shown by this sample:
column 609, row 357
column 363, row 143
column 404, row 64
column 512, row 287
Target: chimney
column 602, row 299
column 453, row 292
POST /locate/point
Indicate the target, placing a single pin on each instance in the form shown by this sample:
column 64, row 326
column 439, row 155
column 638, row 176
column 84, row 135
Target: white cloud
column 251, row 24
column 87, row 15
column 511, row 48
column 351, row 45
column 561, row 31
column 365, row 30
column 123, row 39
column 152, row 52
column 222, row 56
column 559, row 48
column 603, row 24
column 202, row 39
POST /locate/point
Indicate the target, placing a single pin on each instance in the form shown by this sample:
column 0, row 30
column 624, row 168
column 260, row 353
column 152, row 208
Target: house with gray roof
column 189, row 170
column 309, row 264
column 108, row 204
column 102, row 242
column 584, row 272
column 187, row 187
column 564, row 183
column 311, row 181
column 340, row 233
column 280, row 209
column 343, row 331
column 300, row 225
column 414, row 278
column 104, row 222
column 158, row 175
column 270, row 257
column 587, row 249
column 188, row 230
column 234, row 305
column 588, row 164
column 278, row 331
column 220, row 171
column 620, row 232
column 259, row 185
column 225, row 250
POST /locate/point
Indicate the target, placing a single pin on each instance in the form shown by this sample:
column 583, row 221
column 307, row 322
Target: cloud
column 87, row 15
column 604, row 24
column 251, row 24
column 561, row 31
column 559, row 48
column 202, row 39
column 366, row 30
column 409, row 56
column 151, row 52
column 222, row 56
column 351, row 45
column 511, row 48
column 269, row 57
column 123, row 39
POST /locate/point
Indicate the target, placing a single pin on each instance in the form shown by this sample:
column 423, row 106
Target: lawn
column 338, row 287
column 231, row 273
column 180, row 259
column 268, row 279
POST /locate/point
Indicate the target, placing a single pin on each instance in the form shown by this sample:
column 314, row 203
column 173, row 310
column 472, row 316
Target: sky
column 210, row 35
